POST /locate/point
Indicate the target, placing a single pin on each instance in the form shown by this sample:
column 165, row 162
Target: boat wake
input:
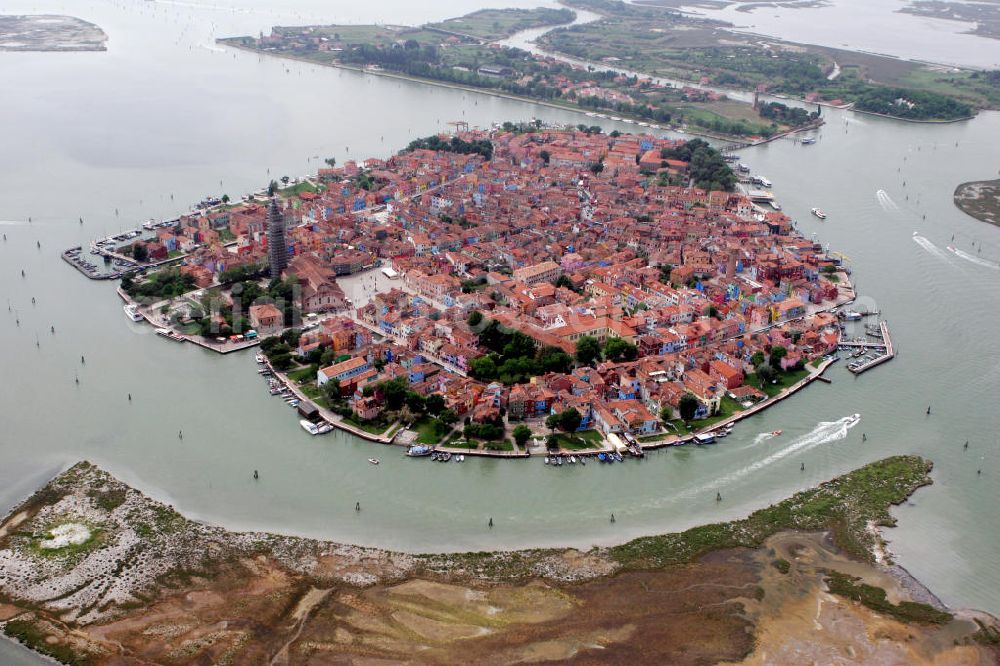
column 884, row 200
column 929, row 246
column 824, row 433
column 763, row 437
column 979, row 261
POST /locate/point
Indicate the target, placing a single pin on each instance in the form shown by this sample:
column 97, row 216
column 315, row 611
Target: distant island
column 50, row 33
column 661, row 41
column 466, row 52
column 93, row 572
column 980, row 199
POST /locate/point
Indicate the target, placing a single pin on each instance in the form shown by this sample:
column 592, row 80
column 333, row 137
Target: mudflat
column 980, row 199
column 50, row 33
column 134, row 582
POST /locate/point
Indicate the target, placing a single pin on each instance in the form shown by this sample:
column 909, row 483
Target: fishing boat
column 819, row 213
column 132, row 312
column 419, row 451
column 374, row 461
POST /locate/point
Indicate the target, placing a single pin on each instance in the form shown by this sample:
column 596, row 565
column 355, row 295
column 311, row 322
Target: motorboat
column 374, row 461
column 309, row 427
column 819, row 213
column 572, row 460
column 132, row 312
column 419, row 451
column 546, row 460
column 808, row 141
column 775, row 433
column 460, row 458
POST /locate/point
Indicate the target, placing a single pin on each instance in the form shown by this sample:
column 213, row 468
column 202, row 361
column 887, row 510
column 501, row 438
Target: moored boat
column 819, row 213
column 419, row 451
column 132, row 312
column 309, row 427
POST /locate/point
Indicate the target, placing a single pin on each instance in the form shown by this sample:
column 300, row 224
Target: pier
column 884, row 348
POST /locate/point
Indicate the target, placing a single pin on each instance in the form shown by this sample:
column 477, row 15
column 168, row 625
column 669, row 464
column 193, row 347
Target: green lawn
column 580, row 441
column 785, row 380
column 375, row 427
column 301, row 375
column 426, row 434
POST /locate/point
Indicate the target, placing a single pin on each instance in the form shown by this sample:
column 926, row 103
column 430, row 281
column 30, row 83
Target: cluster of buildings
column 538, row 240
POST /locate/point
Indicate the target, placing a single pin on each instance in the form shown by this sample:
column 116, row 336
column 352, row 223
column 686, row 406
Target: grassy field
column 843, row 506
column 493, row 24
column 425, row 431
column 580, row 441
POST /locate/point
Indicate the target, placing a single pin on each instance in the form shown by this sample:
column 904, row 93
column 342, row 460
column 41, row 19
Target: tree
column 688, row 405
column 570, row 420
column 272, row 188
column 757, row 359
column 545, row 156
column 552, row 422
column 448, row 417
column 331, row 162
column 415, row 402
column 666, row 414
column 475, row 318
column 483, row 368
column 225, row 198
column 285, row 179
column 617, row 349
column 564, row 281
column 766, row 374
column 394, row 392
column 522, row 434
column 777, row 353
column 434, row 404
column 331, row 391
column 139, row 252
column 588, row 349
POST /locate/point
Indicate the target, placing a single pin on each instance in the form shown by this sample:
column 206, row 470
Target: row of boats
column 422, row 451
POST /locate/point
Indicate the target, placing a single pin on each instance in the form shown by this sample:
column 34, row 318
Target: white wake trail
column 979, row 261
column 929, row 246
column 763, row 437
column 824, row 433
column 884, row 200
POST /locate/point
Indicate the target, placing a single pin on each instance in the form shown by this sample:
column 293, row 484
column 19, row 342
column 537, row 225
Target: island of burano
column 569, row 344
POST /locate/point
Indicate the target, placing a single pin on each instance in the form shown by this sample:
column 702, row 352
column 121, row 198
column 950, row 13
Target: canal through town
column 166, row 117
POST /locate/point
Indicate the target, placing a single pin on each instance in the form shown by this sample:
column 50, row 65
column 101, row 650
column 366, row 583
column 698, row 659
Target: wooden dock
column 885, row 345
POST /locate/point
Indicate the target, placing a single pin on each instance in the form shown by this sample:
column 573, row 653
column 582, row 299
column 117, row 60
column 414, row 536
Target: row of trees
column 514, row 357
column 589, row 350
column 787, row 115
column 165, row 283
column 482, row 147
column 912, row 104
column 707, row 168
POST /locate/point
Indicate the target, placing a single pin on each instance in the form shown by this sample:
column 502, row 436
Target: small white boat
column 315, row 429
column 132, row 312
column 546, row 460
column 819, row 213
column 259, row 358
column 808, row 141
column 572, row 460
column 460, row 457
column 374, row 461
